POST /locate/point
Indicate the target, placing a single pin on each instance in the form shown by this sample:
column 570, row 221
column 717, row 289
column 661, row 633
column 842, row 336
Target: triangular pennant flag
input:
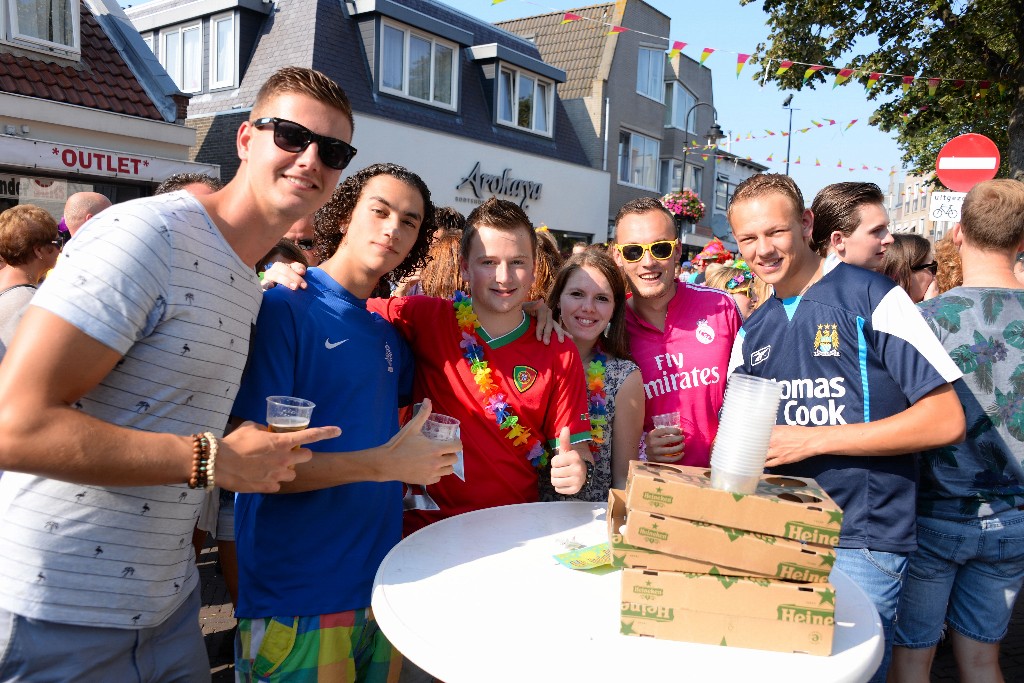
column 879, row 168
column 872, row 79
column 569, row 17
column 933, row 85
column 810, row 72
column 497, row 2
column 923, row 107
column 983, row 88
column 959, row 83
column 770, row 157
column 804, row 130
column 677, row 47
column 704, row 157
column 770, row 132
column 785, row 160
column 797, row 160
column 842, row 77
column 840, row 164
column 694, row 143
column 851, row 169
column 865, row 168
column 784, row 67
column 907, row 82
column 741, row 60
column 831, row 122
column 784, row 134
column 617, row 29
column 816, row 123
column 750, row 158
column 705, row 53
column 849, row 124
column 817, row 162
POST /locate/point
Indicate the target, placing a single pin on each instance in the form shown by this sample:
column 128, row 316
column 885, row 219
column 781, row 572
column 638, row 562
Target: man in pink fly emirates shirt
column 680, row 335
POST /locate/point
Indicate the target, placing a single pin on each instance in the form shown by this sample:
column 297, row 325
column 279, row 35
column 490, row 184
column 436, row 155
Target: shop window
column 50, row 26
column 525, row 101
column 638, row 160
column 182, row 56
column 418, row 66
column 650, row 73
column 223, row 54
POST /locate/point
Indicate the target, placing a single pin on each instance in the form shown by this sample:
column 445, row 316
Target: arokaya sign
column 504, row 185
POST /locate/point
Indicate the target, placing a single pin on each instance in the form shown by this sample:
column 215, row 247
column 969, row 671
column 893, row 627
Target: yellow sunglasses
column 661, row 250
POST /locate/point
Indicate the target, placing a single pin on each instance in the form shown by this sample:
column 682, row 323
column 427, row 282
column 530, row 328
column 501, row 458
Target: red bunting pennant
column 569, row 17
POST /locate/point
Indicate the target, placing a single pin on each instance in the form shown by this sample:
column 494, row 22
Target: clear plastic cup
column 736, row 483
column 288, row 414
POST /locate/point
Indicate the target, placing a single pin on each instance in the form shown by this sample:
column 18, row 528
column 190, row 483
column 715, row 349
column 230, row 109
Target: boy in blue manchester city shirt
column 865, row 384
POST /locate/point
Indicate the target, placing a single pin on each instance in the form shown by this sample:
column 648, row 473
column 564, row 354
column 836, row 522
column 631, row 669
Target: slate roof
column 320, row 35
column 577, row 48
column 102, row 80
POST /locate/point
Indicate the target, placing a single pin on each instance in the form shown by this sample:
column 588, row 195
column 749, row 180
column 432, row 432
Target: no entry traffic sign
column 967, row 160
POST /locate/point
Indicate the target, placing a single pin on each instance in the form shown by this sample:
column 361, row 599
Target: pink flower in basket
column 685, row 203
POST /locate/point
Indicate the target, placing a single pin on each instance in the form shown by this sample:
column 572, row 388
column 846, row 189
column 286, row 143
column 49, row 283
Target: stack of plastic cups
column 748, row 416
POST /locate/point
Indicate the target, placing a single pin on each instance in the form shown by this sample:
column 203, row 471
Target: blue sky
column 745, row 105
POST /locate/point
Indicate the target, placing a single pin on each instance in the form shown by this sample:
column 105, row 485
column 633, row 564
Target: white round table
column 479, row 597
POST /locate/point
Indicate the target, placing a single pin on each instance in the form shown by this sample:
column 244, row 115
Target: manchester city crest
column 826, row 341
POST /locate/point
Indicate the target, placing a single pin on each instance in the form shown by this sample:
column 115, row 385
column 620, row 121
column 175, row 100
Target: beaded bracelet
column 212, row 462
column 204, row 452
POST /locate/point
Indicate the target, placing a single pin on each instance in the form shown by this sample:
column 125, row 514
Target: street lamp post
column 713, row 135
column 788, row 104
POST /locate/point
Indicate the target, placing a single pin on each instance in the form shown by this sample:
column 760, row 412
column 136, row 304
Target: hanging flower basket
column 685, row 204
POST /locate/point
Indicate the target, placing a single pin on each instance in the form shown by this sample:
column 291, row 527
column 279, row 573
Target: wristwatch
column 590, row 473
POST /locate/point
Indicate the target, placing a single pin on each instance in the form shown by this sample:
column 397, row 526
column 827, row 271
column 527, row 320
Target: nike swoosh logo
column 328, row 344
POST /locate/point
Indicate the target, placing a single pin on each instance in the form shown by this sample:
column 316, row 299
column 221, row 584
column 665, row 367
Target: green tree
column 969, row 40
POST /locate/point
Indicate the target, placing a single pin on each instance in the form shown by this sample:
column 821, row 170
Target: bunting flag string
column 843, row 74
column 705, row 154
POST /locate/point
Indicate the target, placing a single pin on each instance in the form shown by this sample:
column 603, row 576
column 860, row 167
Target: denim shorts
column 880, row 574
column 965, row 573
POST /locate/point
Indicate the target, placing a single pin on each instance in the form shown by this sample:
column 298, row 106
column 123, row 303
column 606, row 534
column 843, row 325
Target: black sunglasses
column 933, row 267
column 305, row 245
column 292, row 137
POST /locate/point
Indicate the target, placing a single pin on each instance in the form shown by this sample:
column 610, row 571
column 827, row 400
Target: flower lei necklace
column 597, row 402
column 495, row 403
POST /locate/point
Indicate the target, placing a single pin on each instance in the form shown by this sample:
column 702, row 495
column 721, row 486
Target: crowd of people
column 134, row 381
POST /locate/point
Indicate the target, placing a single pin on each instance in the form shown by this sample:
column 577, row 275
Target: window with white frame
column 671, row 176
column 418, row 65
column 721, row 194
column 50, row 26
column 638, row 160
column 525, row 100
column 182, row 56
column 680, row 102
column 650, row 73
column 694, row 178
column 148, row 40
column 223, row 55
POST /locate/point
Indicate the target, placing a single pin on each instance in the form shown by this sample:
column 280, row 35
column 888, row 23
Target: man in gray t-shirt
column 969, row 565
column 135, row 342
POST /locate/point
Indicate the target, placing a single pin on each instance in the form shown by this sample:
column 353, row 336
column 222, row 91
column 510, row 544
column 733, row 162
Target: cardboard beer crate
column 761, row 554
column 790, row 507
column 626, row 555
column 733, row 611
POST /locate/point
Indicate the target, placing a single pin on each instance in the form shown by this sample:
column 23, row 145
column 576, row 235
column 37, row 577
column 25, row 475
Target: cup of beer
column 288, row 414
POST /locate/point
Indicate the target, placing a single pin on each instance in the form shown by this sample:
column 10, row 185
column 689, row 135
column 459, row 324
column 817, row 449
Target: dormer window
column 525, row 100
column 182, row 56
column 50, row 26
column 418, row 65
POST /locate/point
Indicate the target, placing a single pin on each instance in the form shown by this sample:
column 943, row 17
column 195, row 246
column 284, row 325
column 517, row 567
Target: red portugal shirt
column 544, row 385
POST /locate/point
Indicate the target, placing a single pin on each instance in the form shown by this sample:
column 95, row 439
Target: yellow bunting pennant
column 872, row 79
column 677, row 47
column 811, row 71
column 907, row 82
column 784, row 66
column 741, row 60
column 842, row 77
column 933, row 85
column 849, row 125
column 705, row 53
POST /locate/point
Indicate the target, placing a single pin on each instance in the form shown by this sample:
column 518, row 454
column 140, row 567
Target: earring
column 607, row 329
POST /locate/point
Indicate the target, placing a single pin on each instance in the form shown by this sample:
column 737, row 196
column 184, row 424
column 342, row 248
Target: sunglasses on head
column 932, row 267
column 631, row 253
column 294, row 138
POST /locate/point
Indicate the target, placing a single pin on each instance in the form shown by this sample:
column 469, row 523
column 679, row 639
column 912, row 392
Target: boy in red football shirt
column 522, row 403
